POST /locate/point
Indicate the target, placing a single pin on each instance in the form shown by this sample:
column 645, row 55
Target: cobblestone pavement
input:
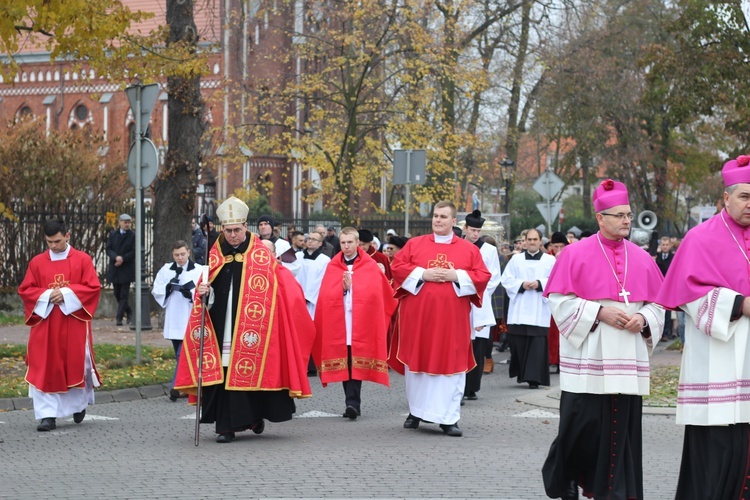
column 144, row 448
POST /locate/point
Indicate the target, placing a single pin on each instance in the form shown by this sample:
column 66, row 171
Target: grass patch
column 664, row 380
column 9, row 319
column 675, row 346
column 115, row 363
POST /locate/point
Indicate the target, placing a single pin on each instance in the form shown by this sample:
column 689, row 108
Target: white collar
column 446, row 238
column 53, row 256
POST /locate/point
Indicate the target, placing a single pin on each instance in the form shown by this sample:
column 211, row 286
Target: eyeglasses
column 314, row 239
column 620, row 216
column 234, row 230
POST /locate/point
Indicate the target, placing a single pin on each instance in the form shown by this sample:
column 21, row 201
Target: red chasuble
column 432, row 331
column 372, row 307
column 56, row 351
column 273, row 331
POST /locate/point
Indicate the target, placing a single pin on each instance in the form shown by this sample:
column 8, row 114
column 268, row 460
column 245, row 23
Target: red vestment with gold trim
column 272, row 336
column 432, row 331
column 56, row 350
column 372, row 307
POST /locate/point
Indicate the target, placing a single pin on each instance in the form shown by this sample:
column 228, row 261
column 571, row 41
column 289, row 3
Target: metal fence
column 21, row 235
column 379, row 225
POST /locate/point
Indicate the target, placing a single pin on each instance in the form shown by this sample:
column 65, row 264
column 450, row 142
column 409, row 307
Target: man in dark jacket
column 332, row 239
column 664, row 260
column 199, row 243
column 121, row 253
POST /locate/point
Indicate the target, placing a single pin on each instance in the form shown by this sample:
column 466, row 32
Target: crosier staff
column 204, row 305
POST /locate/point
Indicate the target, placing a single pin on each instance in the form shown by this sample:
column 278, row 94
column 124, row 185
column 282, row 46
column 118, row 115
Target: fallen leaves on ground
column 664, row 380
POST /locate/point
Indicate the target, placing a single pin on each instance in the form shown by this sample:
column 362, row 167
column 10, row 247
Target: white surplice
column 484, row 316
column 529, row 307
column 715, row 372
column 310, row 276
column 177, row 306
column 608, row 360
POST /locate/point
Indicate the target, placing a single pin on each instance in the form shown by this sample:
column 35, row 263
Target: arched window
column 80, row 116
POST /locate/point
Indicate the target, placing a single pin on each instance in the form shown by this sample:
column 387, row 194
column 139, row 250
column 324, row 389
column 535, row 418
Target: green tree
column 622, row 112
column 523, row 211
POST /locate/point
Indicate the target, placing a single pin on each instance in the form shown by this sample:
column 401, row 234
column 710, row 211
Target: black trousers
column 122, row 292
column 352, row 388
column 474, row 377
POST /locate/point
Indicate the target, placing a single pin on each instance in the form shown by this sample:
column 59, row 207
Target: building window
column 24, row 112
column 81, row 112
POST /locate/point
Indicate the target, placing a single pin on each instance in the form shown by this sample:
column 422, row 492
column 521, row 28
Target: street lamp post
column 507, row 169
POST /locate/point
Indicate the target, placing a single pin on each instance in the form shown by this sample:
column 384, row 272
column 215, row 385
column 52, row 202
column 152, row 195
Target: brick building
column 241, row 47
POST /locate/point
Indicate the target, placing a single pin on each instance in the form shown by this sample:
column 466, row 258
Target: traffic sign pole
column 407, row 198
column 142, row 99
column 548, row 185
column 139, row 226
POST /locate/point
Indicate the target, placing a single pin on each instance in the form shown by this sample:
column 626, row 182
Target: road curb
column 102, row 397
column 549, row 398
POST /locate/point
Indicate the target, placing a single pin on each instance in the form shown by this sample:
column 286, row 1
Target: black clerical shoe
column 351, row 412
column 471, row 396
column 174, row 394
column 411, row 422
column 571, row 492
column 259, row 427
column 225, row 437
column 46, row 425
column 451, row 430
column 533, row 385
column 118, row 322
column 78, row 417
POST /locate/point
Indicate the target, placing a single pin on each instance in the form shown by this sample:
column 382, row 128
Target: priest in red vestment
column 258, row 334
column 60, row 292
column 354, row 309
column 437, row 277
column 366, row 242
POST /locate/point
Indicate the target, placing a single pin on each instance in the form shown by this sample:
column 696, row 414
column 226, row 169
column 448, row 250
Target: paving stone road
column 144, row 448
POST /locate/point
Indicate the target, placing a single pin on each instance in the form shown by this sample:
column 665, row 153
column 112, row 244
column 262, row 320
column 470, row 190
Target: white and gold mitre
column 232, row 211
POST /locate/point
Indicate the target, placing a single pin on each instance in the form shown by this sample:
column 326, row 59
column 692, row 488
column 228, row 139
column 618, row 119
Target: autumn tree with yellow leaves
column 102, row 34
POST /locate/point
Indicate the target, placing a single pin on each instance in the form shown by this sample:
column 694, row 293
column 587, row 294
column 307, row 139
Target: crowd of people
column 253, row 318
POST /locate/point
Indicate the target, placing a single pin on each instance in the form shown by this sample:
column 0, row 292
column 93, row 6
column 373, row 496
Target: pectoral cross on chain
column 624, row 294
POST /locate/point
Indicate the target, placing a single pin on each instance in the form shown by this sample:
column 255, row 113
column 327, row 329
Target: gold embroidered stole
column 253, row 321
